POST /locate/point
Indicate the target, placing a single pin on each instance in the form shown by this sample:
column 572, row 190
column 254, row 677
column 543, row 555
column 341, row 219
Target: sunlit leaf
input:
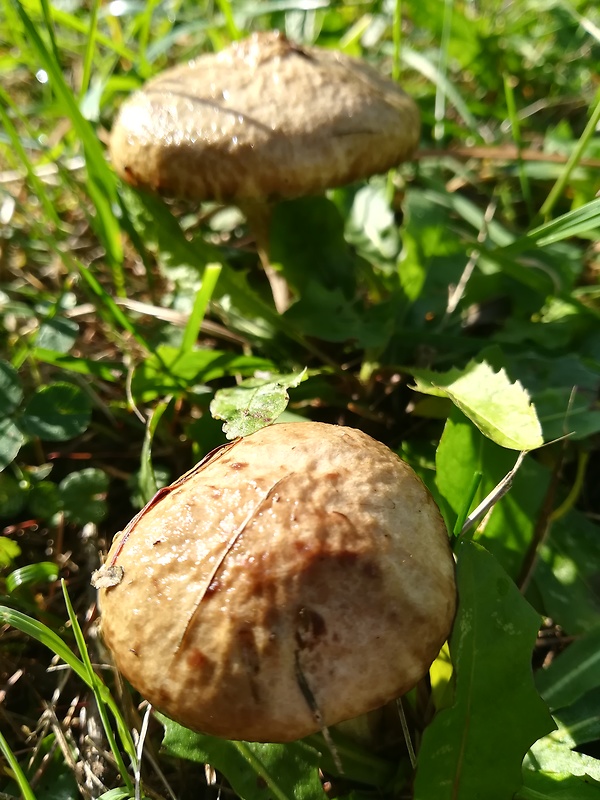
column 9, row 550
column 254, row 403
column 551, row 756
column 501, row 409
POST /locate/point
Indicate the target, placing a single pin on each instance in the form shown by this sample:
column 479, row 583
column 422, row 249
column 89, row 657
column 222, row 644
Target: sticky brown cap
column 296, row 578
column 260, row 120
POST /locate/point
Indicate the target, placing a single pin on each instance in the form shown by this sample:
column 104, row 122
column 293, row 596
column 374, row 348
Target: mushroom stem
column 258, row 214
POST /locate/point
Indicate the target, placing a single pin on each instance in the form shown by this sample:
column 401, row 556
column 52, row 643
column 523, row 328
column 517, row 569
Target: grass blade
column 574, row 223
column 576, row 156
column 90, row 47
column 22, row 782
column 201, row 301
column 516, row 131
column 100, row 693
column 38, row 188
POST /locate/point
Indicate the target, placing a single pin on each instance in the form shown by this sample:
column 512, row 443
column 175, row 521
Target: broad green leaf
column 430, row 259
column 57, row 334
column 83, row 496
column 497, row 713
column 11, row 441
column 12, row 496
column 573, row 673
column 11, row 391
column 502, row 410
column 539, row 785
column 579, row 723
column 466, row 460
column 255, row 771
column 328, row 315
column 254, row 403
column 358, row 761
column 306, row 238
column 44, row 500
column 567, row 570
column 56, row 412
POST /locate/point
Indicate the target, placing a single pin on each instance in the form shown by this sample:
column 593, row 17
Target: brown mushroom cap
column 262, row 119
column 295, row 578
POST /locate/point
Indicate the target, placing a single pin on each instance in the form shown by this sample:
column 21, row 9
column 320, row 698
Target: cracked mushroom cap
column 262, row 119
column 293, row 579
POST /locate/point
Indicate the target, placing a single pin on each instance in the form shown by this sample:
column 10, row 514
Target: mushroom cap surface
column 293, row 579
column 263, row 119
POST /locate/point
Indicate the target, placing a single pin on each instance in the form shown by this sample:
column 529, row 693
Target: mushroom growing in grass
column 260, row 121
column 293, row 579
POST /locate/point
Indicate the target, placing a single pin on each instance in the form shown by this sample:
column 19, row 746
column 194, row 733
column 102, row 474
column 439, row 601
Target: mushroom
column 293, row 579
column 262, row 120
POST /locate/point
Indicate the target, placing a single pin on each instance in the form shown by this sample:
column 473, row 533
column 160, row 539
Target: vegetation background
column 469, row 276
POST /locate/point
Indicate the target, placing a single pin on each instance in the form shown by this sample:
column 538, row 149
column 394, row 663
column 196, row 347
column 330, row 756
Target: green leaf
column 11, row 441
column 40, row 572
column 541, row 785
column 306, row 238
column 464, row 454
column 255, row 771
column 57, row 412
column 83, row 496
column 579, row 723
column 147, row 478
column 12, row 496
column 44, row 500
column 169, row 371
column 573, row 223
column 254, row 403
column 501, row 410
column 57, row 334
column 11, row 391
column 9, row 550
column 328, row 315
column 573, row 673
column 564, row 390
column 105, row 370
column 567, row 572
column 497, row 713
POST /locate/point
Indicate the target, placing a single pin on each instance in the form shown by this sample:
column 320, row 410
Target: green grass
column 125, row 319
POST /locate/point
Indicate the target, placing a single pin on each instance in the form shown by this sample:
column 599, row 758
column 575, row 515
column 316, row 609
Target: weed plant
column 469, row 288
